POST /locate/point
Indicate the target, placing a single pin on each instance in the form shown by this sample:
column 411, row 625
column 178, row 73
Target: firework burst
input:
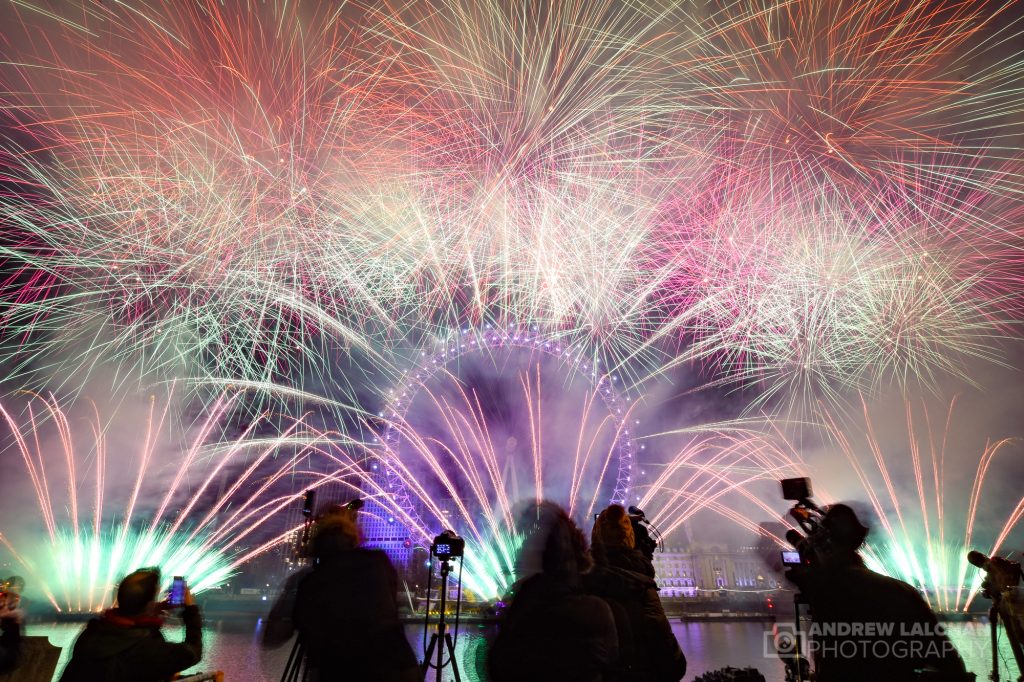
column 201, row 528
column 791, row 191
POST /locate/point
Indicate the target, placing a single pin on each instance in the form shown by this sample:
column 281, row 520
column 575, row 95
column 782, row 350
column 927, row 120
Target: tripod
column 1002, row 604
column 442, row 634
column 798, row 668
column 293, row 668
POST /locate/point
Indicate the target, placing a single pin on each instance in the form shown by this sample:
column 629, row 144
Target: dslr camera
column 816, row 541
column 448, row 545
column 646, row 535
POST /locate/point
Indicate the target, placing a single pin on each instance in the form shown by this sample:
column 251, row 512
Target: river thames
column 233, row 646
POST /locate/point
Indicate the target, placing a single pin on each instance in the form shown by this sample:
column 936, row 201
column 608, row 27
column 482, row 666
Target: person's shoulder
column 527, row 587
column 373, row 560
column 883, row 581
column 591, row 611
column 894, row 591
column 372, row 555
column 615, row 581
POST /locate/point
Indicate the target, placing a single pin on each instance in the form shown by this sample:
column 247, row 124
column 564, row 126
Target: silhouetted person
column 624, row 577
column 346, row 609
column 553, row 630
column 10, row 635
column 842, row 591
column 126, row 645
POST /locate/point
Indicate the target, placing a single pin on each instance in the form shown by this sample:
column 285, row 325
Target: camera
column 644, row 542
column 1000, row 574
column 10, row 591
column 448, row 545
column 815, row 543
column 796, row 489
column 308, row 503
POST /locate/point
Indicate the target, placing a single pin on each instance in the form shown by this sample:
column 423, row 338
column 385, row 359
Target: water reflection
column 234, row 647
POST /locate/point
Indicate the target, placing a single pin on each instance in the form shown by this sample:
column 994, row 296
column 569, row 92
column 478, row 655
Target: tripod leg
column 451, row 654
column 300, row 659
column 430, row 651
column 294, row 660
column 993, row 620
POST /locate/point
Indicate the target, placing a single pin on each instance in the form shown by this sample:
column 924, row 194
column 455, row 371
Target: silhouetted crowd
column 587, row 615
column 578, row 613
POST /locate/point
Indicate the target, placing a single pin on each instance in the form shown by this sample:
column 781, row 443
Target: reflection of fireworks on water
column 250, row 191
column 193, row 529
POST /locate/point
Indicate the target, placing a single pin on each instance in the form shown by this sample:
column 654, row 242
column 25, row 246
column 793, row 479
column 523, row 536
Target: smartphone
column 177, row 595
column 791, row 557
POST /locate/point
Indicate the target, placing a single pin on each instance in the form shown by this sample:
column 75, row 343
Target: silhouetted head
column 137, row 592
column 565, row 551
column 553, row 543
column 845, row 530
column 612, row 530
column 335, row 532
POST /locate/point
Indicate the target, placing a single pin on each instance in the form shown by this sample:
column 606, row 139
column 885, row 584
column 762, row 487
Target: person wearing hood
column 345, row 609
column 553, row 631
column 126, row 645
column 624, row 577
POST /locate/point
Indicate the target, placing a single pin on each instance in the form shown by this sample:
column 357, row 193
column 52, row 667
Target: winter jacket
column 119, row 649
column 555, row 632
column 648, row 647
column 10, row 644
column 854, row 594
column 346, row 612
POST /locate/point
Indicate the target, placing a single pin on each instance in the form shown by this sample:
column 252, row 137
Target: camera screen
column 791, row 557
column 796, row 489
column 442, row 549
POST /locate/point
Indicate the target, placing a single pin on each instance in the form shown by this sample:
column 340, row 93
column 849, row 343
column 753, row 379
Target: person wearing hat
column 126, row 645
column 868, row 626
column 623, row 576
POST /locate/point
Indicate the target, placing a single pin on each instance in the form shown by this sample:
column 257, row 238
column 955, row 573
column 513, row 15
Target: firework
column 926, row 532
column 466, row 453
column 193, row 528
column 827, row 295
column 929, row 509
column 253, row 193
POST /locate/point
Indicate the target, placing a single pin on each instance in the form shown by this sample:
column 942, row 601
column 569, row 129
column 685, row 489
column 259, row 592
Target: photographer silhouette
column 866, row 626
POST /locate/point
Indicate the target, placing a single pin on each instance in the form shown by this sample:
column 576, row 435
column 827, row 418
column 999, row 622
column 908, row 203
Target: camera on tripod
column 445, row 547
column 1002, row 578
column 448, row 545
column 1000, row 574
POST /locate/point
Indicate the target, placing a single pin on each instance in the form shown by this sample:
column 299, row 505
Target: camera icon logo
column 783, row 641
